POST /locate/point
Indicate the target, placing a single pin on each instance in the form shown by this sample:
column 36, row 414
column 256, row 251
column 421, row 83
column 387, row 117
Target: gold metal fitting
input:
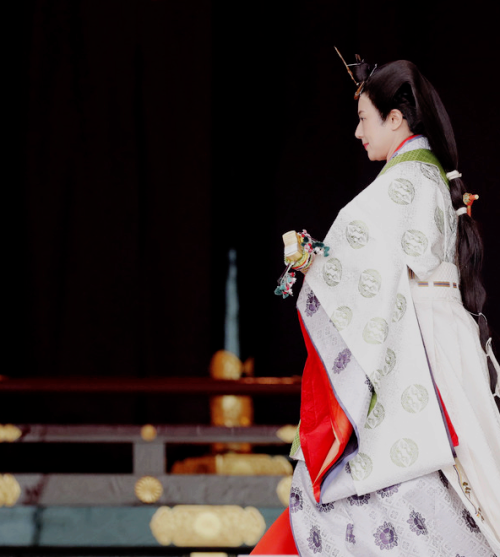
column 148, row 432
column 148, row 489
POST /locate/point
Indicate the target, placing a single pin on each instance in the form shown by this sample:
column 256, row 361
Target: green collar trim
column 422, row 155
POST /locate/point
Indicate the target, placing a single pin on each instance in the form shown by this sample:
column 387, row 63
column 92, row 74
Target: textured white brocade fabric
column 398, row 221
column 423, row 517
column 393, row 496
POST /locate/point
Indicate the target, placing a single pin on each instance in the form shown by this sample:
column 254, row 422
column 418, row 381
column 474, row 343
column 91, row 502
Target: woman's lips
column 365, row 145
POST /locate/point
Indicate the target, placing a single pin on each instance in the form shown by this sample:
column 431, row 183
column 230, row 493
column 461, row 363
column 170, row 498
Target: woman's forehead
column 365, row 104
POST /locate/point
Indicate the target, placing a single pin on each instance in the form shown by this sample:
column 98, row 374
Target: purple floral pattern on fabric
column 388, row 491
column 325, row 508
column 359, row 500
column 385, row 536
column 295, row 500
column 470, row 522
column 341, row 361
column 312, row 304
column 370, row 385
column 314, row 539
column 443, row 479
column 349, row 536
column 417, row 523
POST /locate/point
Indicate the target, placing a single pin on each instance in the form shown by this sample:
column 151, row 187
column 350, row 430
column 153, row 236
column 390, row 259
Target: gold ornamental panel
column 148, row 489
column 10, row 490
column 231, row 411
column 9, row 433
column 235, row 465
column 207, row 525
column 252, row 465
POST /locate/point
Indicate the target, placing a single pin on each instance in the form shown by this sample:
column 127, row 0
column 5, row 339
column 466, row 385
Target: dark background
column 152, row 136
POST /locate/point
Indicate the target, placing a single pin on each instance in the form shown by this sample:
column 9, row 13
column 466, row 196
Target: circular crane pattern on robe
column 404, row 453
column 332, row 271
column 341, row 317
column 389, row 363
column 399, row 308
column 369, row 283
column 361, row 467
column 402, row 191
column 431, row 172
column 376, row 331
column 375, row 417
column 414, row 242
column 357, row 234
column 439, row 219
column 414, row 399
column 452, row 219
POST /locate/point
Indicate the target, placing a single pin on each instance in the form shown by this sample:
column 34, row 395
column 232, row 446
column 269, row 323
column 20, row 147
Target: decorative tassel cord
column 467, row 491
column 310, row 247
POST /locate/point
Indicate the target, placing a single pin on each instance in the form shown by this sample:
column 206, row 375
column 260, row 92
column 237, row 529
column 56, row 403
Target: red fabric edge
column 278, row 540
column 319, row 410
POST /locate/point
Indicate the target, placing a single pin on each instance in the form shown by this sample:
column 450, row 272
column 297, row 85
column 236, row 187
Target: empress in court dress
column 398, row 447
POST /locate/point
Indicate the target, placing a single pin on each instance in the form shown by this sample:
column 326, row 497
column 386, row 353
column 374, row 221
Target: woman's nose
column 358, row 133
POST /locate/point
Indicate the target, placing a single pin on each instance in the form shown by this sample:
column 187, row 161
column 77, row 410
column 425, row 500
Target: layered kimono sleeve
column 398, row 222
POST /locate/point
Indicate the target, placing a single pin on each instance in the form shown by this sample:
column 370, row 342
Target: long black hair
column 400, row 85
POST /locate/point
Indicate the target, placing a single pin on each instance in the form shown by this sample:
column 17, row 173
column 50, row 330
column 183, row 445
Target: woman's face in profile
column 376, row 136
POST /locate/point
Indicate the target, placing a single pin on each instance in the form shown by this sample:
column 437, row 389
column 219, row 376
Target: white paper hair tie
column 453, row 174
column 461, row 211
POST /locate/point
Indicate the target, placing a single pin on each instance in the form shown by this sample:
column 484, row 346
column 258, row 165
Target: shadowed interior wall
column 157, row 135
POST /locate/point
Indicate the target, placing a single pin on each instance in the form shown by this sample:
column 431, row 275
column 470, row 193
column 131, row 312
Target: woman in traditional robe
column 399, row 441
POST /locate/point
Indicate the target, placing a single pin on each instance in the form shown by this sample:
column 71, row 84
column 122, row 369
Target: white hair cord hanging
column 496, row 365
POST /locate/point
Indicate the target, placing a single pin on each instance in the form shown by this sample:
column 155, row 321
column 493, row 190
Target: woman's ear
column 395, row 119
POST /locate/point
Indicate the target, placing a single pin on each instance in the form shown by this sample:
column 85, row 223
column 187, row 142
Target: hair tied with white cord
column 453, row 175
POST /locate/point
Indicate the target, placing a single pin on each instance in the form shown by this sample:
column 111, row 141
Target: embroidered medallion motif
column 295, row 500
column 470, row 522
column 414, row 399
column 312, row 304
column 314, row 540
column 452, row 219
column 342, row 360
column 385, row 536
column 417, row 524
column 399, row 309
column 359, row 500
column 401, row 191
column 439, row 219
column 370, row 385
column 375, row 417
column 341, row 317
column 349, row 536
column 404, row 453
column 324, row 508
column 332, row 271
column 361, row 467
column 430, row 172
column 389, row 363
column 376, row 331
column 357, row 234
column 369, row 283
column 414, row 242
column 388, row 491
